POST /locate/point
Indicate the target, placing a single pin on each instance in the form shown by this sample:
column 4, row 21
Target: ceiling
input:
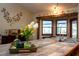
column 40, row 7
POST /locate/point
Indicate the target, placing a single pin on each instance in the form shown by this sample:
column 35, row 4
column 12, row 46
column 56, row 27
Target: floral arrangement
column 27, row 32
column 29, row 29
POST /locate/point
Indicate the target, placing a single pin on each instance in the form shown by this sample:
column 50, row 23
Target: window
column 74, row 28
column 47, row 27
column 61, row 27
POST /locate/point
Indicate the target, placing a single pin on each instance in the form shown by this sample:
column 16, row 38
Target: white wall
column 13, row 9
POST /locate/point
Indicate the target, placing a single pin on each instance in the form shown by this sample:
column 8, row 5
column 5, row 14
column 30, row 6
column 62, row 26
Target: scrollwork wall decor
column 10, row 19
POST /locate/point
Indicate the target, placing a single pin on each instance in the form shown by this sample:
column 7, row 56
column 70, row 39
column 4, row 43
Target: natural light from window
column 61, row 27
column 47, row 27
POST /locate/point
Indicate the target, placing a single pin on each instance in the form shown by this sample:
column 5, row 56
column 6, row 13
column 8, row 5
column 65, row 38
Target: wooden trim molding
column 38, row 29
column 64, row 16
column 54, row 18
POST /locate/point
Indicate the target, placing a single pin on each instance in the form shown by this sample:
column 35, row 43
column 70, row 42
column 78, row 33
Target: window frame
column 74, row 19
column 51, row 27
column 63, row 27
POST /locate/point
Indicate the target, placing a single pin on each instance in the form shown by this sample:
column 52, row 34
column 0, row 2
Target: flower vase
column 27, row 45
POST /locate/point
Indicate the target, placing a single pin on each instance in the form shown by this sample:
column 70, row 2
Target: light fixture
column 56, row 10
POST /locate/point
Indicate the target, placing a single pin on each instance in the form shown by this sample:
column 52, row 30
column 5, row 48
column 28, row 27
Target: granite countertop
column 47, row 48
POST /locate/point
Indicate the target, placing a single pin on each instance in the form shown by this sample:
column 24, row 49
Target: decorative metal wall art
column 10, row 19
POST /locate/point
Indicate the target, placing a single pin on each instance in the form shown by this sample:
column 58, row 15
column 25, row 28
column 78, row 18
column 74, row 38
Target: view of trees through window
column 61, row 27
column 47, row 27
